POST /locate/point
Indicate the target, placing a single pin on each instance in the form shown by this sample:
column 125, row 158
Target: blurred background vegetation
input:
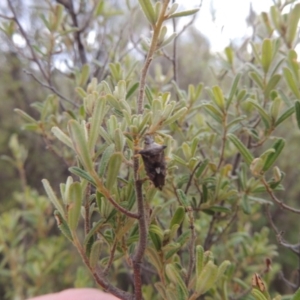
column 35, row 258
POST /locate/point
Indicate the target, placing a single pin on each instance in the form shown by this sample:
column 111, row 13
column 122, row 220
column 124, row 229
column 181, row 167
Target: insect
column 154, row 161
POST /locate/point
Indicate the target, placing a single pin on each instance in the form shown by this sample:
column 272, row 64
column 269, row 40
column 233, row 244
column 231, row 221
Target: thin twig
column 99, row 276
column 226, row 227
column 224, row 138
column 153, row 46
column 276, row 200
column 51, row 88
column 87, row 221
column 77, row 34
column 111, row 258
column 209, row 236
column 191, row 247
column 143, row 230
column 24, row 34
column 7, row 17
column 190, row 22
column 191, row 177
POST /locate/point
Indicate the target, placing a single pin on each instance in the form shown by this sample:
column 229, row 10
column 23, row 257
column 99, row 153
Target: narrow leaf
column 264, row 115
column 266, row 55
column 53, row 198
column 82, row 174
column 297, row 110
column 248, row 157
column 199, row 260
column 95, row 254
column 178, row 216
column 105, row 159
column 291, row 82
column 62, row 136
column 62, row 225
column 80, row 144
column 97, row 118
column 148, row 10
column 114, row 165
column 74, row 207
column 292, row 25
column 278, row 146
column 285, row 115
column 207, row 278
column 175, row 277
column 184, row 13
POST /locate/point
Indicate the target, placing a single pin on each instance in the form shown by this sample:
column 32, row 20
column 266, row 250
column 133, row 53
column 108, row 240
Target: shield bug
column 154, row 161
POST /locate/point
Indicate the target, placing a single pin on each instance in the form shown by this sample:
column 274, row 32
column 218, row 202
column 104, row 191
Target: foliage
column 31, row 257
column 198, row 236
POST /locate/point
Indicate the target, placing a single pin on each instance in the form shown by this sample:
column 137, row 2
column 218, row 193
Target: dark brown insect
column 154, row 161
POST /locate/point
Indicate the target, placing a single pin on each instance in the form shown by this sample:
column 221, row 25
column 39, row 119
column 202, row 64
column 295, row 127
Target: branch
column 191, row 21
column 276, row 200
column 51, row 88
column 99, row 276
column 24, row 34
column 77, row 34
column 149, row 58
column 191, row 177
column 111, row 258
column 191, row 247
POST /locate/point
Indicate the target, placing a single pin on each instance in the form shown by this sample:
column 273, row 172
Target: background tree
column 203, row 234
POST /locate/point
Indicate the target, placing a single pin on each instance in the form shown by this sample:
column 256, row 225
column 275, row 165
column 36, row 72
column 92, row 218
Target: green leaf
column 297, row 110
column 218, row 97
column 201, row 168
column 222, row 269
column 292, row 25
column 114, row 165
column 285, row 115
column 199, row 260
column 207, row 278
column 183, row 198
column 257, row 79
column 178, row 216
column 258, row 295
column 278, row 146
column 184, row 13
column 275, row 107
column 83, row 174
column 248, row 157
column 95, row 254
column 80, row 144
column 62, row 225
column 272, row 84
column 132, row 90
column 148, row 10
column 25, row 116
column 156, row 236
column 266, row 55
column 219, row 208
column 176, row 116
column 74, row 205
column 233, row 89
column 296, row 296
column 229, row 54
column 97, row 118
column 213, row 111
column 291, row 82
column 175, row 278
column 51, row 195
column 105, row 159
column 62, row 136
column 154, row 259
column 264, row 115
column 84, row 76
